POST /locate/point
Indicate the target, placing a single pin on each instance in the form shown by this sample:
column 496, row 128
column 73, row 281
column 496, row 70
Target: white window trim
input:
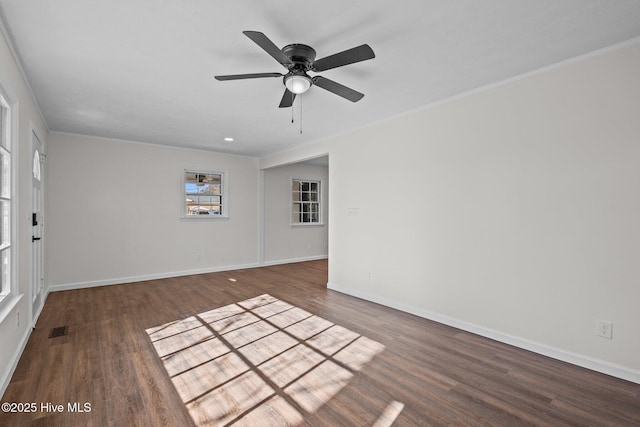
column 320, row 222
column 225, row 195
column 9, row 301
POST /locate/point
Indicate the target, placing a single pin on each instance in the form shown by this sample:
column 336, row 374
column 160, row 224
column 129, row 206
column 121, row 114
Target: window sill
column 7, row 305
column 203, row 218
column 307, row 224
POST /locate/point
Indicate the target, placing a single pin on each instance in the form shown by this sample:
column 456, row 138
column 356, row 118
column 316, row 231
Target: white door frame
column 37, row 224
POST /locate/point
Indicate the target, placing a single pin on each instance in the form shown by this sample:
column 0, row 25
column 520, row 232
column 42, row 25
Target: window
column 305, row 202
column 205, row 194
column 6, row 197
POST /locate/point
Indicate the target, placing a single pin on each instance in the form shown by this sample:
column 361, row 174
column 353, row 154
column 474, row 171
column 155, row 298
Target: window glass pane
column 4, row 127
column 5, row 223
column 204, row 205
column 5, row 271
column 36, row 165
column 198, row 183
column 5, row 174
column 305, row 212
column 296, row 213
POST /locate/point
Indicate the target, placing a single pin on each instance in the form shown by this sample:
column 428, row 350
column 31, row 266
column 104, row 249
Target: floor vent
column 58, row 332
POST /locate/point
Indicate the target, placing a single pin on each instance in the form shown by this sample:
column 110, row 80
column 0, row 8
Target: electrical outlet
column 605, row 329
column 18, row 319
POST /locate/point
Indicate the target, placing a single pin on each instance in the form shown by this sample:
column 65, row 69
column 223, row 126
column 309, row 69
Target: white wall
column 511, row 211
column 115, row 207
column 283, row 242
column 13, row 336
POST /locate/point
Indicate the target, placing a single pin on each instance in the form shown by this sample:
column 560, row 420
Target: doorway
column 37, row 227
column 294, row 219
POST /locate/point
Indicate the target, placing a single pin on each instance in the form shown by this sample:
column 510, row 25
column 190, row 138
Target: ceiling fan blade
column 265, row 43
column 287, row 99
column 350, row 56
column 337, row 88
column 247, row 76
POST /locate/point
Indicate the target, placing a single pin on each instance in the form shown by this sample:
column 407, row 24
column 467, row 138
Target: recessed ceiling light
column 228, row 139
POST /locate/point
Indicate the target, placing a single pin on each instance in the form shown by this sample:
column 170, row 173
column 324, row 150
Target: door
column 37, row 223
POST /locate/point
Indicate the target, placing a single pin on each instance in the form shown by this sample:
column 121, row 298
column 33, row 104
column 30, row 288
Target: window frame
column 319, row 202
column 224, row 194
column 10, row 296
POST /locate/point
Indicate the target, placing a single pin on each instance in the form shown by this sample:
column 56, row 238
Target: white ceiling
column 142, row 70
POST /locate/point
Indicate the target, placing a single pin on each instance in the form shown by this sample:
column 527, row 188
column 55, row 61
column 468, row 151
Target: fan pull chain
column 292, row 95
column 301, row 115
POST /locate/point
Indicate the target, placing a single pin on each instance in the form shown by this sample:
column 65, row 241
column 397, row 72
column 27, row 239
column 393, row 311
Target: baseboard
column 143, row 278
column 8, row 374
column 292, row 260
column 593, row 364
column 37, row 315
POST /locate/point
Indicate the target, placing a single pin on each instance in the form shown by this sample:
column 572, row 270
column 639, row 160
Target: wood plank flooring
column 273, row 346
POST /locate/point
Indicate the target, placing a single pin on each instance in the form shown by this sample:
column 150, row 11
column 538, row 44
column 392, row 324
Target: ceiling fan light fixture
column 298, row 59
column 297, row 83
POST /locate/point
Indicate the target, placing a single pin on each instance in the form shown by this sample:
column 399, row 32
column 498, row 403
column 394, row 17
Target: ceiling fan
column 300, row 59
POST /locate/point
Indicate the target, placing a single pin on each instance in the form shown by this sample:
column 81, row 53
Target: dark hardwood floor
column 273, row 346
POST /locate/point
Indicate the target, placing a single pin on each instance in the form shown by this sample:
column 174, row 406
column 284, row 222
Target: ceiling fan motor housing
column 301, row 55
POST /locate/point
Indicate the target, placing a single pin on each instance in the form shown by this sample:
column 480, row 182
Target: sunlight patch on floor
column 389, row 415
column 261, row 361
